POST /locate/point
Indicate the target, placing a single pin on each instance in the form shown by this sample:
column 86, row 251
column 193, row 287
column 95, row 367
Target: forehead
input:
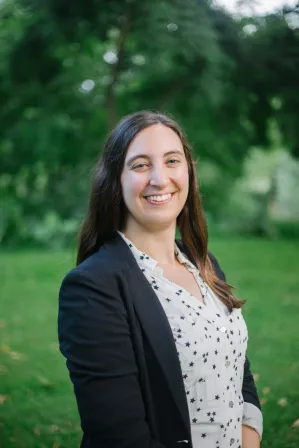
column 154, row 141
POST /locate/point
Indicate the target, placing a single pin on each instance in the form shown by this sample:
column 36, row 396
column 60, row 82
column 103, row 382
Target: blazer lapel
column 154, row 323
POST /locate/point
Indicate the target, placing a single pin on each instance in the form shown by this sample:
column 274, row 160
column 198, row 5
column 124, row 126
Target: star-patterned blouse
column 211, row 344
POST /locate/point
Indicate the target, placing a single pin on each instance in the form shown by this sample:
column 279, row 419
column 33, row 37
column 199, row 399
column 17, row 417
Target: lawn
column 37, row 407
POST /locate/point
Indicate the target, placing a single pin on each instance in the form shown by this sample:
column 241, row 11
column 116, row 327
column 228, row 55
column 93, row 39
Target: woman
column 154, row 339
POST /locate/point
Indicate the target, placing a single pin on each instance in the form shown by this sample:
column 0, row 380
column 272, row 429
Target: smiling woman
column 154, row 339
column 154, row 180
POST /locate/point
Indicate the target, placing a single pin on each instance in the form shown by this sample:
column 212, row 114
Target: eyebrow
column 145, row 156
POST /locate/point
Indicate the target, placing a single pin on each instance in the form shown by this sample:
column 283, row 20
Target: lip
column 160, row 202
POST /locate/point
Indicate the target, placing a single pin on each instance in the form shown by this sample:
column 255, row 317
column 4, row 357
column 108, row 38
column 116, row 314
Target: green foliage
column 265, row 200
column 69, row 71
column 287, row 229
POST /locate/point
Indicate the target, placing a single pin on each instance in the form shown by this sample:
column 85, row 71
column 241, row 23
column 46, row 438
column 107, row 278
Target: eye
column 173, row 161
column 139, row 166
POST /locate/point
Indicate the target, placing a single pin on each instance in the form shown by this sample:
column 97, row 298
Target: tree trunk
column 111, row 101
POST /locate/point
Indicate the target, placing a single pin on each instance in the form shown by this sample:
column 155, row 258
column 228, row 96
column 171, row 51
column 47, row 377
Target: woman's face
column 155, row 178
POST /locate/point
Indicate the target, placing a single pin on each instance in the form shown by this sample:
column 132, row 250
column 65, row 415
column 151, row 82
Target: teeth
column 160, row 198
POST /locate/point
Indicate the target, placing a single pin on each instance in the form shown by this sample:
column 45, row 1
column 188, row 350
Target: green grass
column 38, row 409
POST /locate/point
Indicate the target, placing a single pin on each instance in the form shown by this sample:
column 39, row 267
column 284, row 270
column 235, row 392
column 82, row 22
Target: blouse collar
column 146, row 262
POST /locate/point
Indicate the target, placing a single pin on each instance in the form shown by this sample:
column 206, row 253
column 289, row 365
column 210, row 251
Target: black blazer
column 122, row 357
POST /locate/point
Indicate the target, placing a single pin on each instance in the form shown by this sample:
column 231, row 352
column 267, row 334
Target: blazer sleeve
column 249, row 390
column 95, row 339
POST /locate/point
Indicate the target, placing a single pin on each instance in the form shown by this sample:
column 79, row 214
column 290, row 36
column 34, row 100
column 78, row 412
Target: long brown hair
column 107, row 212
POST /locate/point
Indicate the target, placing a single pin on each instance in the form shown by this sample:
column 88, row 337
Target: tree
column 69, row 71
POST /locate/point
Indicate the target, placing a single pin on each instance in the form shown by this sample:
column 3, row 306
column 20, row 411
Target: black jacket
column 122, row 357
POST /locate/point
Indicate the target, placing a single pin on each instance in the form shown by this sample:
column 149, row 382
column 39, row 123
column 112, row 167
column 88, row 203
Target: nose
column 158, row 177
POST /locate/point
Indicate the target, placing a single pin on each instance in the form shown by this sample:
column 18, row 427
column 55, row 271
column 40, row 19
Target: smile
column 159, row 199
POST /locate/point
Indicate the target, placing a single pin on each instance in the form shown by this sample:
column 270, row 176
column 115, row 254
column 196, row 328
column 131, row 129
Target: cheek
column 182, row 179
column 132, row 186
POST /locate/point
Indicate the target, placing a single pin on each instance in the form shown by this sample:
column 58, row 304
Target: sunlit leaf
column 16, row 356
column 44, row 382
column 36, row 431
column 266, row 390
column 283, row 402
column 296, row 423
column 53, row 429
column 3, row 398
column 4, row 348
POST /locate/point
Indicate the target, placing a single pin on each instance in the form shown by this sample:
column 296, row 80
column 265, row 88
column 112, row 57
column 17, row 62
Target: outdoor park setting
column 68, row 72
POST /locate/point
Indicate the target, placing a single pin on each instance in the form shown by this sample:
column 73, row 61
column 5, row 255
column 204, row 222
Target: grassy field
column 37, row 408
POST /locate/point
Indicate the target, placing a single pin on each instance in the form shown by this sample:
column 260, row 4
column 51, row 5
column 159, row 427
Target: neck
column 158, row 244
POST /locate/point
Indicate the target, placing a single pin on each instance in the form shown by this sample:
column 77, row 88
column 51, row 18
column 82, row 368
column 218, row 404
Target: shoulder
column 104, row 270
column 99, row 270
column 100, row 264
column 94, row 286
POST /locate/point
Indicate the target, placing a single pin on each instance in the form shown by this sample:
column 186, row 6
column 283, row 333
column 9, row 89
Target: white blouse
column 211, row 344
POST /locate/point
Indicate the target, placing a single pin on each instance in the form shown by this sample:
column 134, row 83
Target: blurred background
column 228, row 72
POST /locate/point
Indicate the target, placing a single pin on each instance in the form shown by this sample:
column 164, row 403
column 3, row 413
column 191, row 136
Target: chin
column 154, row 224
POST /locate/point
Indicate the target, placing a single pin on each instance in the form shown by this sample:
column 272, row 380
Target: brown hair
column 107, row 211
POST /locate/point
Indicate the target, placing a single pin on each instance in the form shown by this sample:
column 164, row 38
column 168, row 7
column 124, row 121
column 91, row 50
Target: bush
column 52, row 231
column 287, row 229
